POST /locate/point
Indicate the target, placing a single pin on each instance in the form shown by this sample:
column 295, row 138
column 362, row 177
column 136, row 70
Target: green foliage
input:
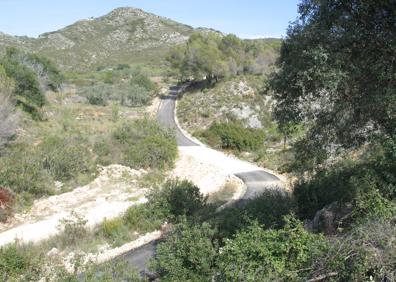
column 212, row 57
column 146, row 144
column 233, row 136
column 256, row 254
column 30, row 171
column 188, row 254
column 343, row 184
column 268, row 209
column 365, row 253
column 45, row 70
column 21, row 171
column 26, row 83
column 98, row 99
column 127, row 94
column 19, row 264
column 74, row 229
column 134, row 96
column 179, row 198
column 144, row 218
column 65, row 157
column 140, row 79
column 344, row 100
column 111, row 271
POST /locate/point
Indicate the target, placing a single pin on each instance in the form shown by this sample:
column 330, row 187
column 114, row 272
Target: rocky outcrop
column 118, row 37
column 329, row 219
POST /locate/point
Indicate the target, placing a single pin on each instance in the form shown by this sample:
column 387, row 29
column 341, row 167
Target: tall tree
column 337, row 74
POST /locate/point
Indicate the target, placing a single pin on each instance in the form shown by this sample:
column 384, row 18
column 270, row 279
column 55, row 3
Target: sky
column 245, row 18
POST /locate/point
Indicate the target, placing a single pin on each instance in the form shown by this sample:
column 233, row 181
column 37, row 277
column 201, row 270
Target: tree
column 27, row 92
column 212, row 57
column 337, row 75
column 8, row 117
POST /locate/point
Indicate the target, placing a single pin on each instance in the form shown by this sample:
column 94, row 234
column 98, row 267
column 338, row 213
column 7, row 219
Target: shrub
column 26, row 83
column 179, row 198
column 21, row 171
column 268, row 209
column 144, row 218
column 19, row 264
column 256, row 254
column 73, row 229
column 65, row 157
column 188, row 254
column 8, row 119
column 144, row 143
column 233, row 136
column 46, row 71
column 343, row 183
column 143, row 81
column 97, row 99
column 134, row 96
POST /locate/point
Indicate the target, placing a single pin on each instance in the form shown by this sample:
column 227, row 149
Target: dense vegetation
column 126, row 86
column 212, row 56
column 332, row 83
column 233, row 136
column 32, row 75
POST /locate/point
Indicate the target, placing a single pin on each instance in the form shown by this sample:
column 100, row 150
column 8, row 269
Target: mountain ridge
column 124, row 35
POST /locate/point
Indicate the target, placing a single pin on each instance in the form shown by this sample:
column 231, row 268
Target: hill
column 125, row 35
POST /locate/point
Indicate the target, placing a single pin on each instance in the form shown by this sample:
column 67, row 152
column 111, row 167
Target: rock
column 53, row 252
column 329, row 219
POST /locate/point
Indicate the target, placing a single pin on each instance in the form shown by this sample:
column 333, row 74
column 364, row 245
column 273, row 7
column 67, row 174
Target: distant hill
column 125, row 35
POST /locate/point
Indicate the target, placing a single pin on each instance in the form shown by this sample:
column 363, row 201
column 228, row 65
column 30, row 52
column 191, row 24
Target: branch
column 324, row 276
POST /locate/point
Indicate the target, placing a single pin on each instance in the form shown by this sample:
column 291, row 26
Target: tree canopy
column 337, row 74
column 212, row 56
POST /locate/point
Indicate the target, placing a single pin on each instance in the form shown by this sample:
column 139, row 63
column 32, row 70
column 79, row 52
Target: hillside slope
column 125, row 35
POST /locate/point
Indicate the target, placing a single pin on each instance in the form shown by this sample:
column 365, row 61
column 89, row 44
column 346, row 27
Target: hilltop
column 125, row 35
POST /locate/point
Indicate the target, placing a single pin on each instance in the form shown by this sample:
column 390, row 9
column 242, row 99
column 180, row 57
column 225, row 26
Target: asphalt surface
column 165, row 116
column 256, row 181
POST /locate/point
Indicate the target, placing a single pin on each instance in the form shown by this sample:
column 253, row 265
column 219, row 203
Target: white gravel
column 108, row 196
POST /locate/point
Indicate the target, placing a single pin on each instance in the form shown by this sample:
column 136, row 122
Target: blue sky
column 246, row 18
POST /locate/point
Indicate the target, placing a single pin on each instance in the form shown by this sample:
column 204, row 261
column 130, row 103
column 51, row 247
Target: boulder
column 329, row 219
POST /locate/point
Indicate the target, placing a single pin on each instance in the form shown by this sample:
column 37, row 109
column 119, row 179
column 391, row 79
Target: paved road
column 166, row 117
column 256, row 181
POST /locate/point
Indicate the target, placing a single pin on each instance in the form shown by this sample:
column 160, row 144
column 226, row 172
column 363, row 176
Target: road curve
column 256, row 180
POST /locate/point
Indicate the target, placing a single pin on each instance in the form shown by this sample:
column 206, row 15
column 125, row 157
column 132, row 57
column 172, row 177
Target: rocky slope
column 125, row 35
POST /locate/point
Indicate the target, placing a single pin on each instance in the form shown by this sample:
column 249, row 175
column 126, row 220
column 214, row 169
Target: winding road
column 256, row 179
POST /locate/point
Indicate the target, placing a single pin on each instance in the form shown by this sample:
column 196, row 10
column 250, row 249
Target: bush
column 144, row 218
column 179, row 198
column 21, row 171
column 97, row 99
column 26, row 83
column 143, row 81
column 233, row 136
column 134, row 95
column 19, row 264
column 256, row 254
column 144, row 143
column 46, row 71
column 343, row 183
column 73, row 229
column 188, row 254
column 8, row 119
column 65, row 157
column 268, row 209
column 97, row 94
